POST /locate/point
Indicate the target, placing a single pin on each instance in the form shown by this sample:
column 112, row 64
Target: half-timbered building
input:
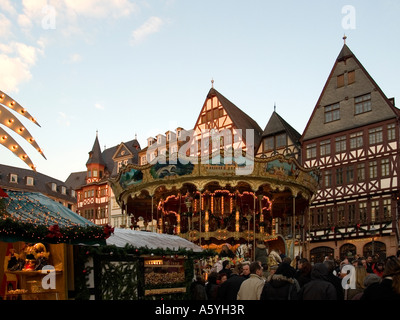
column 353, row 137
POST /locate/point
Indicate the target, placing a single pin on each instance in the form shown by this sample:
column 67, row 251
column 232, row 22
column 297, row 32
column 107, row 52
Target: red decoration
column 3, row 194
column 108, row 230
column 54, row 232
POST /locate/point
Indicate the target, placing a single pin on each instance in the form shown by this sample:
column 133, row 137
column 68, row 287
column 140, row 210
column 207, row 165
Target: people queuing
column 349, row 279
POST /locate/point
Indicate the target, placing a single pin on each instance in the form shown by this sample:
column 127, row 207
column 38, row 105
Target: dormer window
column 63, row 190
column 54, row 187
column 13, row 178
column 29, row 181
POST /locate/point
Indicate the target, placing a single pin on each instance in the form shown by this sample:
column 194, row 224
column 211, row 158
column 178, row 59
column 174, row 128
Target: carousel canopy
column 29, row 216
column 150, row 240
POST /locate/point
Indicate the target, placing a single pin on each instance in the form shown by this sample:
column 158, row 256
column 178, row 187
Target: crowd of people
column 358, row 278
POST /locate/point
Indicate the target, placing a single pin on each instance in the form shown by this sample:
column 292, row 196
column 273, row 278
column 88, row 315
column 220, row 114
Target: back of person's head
column 254, row 267
column 392, row 269
column 371, row 278
column 286, row 270
column 225, row 263
column 330, row 264
column 212, row 278
column 361, row 273
column 237, row 269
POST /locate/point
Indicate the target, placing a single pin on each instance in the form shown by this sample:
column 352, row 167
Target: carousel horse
column 243, row 251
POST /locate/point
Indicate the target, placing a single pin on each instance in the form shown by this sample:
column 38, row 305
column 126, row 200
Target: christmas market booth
column 220, row 200
column 38, row 237
column 137, row 265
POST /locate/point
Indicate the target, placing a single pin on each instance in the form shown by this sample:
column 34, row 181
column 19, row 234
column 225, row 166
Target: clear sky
column 126, row 67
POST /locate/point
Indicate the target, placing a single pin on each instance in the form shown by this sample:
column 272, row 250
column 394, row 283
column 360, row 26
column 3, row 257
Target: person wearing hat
column 281, row 285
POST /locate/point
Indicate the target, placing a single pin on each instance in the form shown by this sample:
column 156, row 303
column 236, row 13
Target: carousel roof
column 151, row 240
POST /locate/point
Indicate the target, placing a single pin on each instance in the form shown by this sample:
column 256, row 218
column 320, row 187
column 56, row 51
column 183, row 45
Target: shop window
column 347, row 250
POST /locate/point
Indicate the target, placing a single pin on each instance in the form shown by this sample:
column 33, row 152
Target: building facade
column 353, row 137
column 95, row 199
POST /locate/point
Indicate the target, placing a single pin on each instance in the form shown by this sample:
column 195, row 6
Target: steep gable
column 350, row 98
column 220, row 113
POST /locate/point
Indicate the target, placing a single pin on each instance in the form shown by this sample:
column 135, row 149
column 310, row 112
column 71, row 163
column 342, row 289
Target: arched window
column 347, row 250
column 375, row 248
column 318, row 254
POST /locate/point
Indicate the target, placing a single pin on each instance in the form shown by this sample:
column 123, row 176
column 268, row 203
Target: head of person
column 286, row 270
column 392, row 269
column 246, row 269
column 255, row 268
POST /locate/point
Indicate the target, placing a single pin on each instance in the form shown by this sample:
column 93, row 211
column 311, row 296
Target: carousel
column 212, row 205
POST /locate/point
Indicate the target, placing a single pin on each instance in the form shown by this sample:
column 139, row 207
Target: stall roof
column 151, row 240
column 27, row 214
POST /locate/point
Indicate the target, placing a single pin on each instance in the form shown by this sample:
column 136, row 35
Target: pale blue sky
column 144, row 67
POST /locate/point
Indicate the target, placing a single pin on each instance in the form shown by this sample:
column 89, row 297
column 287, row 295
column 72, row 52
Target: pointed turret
column 95, row 164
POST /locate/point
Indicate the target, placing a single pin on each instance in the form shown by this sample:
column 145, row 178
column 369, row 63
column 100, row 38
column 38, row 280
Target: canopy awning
column 30, row 216
column 150, row 240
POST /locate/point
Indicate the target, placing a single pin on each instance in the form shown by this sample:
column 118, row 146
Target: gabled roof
column 277, row 124
column 346, row 61
column 239, row 118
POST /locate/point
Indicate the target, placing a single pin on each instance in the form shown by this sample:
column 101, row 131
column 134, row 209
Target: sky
column 124, row 67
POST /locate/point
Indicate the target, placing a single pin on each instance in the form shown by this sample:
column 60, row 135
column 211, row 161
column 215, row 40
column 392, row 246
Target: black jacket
column 380, row 291
column 319, row 288
column 229, row 289
column 280, row 287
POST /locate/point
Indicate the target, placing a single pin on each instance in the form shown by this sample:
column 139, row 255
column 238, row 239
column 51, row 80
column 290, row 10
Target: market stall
column 139, row 265
column 37, row 236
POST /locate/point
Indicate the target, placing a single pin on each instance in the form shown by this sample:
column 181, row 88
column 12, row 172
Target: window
column 356, row 140
column 63, row 190
column 269, row 144
column 328, row 179
column 339, row 176
column 385, row 167
column 53, row 186
column 351, row 77
column 374, row 210
column 29, row 181
column 341, row 214
column 281, row 140
column 329, row 215
column 340, row 144
column 362, row 207
column 311, row 150
column 13, row 178
column 325, row 148
column 387, row 212
column 332, row 112
column 363, row 104
column 360, row 172
column 95, row 173
column 375, row 135
column 352, row 213
column 320, row 216
column 73, row 193
column 391, row 132
column 373, row 170
column 340, row 81
column 350, row 174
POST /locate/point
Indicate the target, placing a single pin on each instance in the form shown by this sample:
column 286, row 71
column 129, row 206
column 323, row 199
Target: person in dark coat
column 335, row 280
column 198, row 290
column 229, row 289
column 389, row 287
column 281, row 285
column 212, row 286
column 319, row 288
column 261, row 253
column 303, row 272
